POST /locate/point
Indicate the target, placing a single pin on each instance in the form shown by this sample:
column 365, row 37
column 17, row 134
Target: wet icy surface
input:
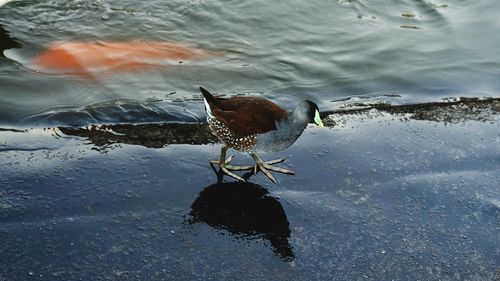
column 378, row 196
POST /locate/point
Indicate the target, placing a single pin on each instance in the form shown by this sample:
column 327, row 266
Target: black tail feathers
column 207, row 95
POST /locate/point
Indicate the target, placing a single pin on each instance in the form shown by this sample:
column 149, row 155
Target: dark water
column 397, row 51
column 379, row 196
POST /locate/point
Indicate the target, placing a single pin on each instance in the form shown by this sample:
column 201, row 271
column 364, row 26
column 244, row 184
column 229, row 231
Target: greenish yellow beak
column 317, row 119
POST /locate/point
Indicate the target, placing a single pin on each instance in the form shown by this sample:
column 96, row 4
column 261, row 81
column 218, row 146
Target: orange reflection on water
column 85, row 58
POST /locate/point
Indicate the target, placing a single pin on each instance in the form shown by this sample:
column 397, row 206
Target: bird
column 256, row 125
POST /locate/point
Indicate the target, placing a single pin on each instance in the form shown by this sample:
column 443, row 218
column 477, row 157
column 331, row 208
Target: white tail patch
column 207, row 109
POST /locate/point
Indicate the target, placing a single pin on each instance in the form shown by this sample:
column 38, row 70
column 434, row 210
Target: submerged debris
column 408, row 15
column 453, row 111
column 148, row 135
column 158, row 135
column 410, row 27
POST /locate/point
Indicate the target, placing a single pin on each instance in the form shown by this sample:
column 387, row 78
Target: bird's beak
column 317, row 119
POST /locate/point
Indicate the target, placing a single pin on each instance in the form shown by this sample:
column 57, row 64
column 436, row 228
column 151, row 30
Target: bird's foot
column 226, row 169
column 225, row 162
column 231, row 167
column 266, row 166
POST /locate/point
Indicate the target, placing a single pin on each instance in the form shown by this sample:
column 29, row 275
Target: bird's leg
column 223, row 164
column 223, row 157
column 227, row 160
column 266, row 166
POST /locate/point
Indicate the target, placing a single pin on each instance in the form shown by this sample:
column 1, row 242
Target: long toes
column 271, row 162
column 279, row 170
column 267, row 173
column 238, row 168
column 227, row 172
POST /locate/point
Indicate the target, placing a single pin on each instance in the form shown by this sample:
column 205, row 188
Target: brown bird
column 254, row 125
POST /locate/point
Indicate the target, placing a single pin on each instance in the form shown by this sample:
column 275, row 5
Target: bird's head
column 313, row 112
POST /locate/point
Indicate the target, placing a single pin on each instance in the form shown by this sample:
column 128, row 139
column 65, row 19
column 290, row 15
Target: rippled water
column 328, row 51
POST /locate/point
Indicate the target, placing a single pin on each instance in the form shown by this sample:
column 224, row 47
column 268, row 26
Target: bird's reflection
column 244, row 209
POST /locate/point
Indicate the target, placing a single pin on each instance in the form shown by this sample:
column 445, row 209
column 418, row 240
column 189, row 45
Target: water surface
column 397, row 51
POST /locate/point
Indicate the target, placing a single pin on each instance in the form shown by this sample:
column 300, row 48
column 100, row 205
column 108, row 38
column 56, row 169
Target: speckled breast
column 228, row 138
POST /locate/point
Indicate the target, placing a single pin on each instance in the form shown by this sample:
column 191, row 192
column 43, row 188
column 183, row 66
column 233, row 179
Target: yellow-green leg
column 223, row 164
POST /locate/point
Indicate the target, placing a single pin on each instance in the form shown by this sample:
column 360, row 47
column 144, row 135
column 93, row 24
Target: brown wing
column 248, row 115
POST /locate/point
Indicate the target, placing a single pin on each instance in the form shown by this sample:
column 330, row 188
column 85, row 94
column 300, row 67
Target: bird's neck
column 288, row 131
column 298, row 118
